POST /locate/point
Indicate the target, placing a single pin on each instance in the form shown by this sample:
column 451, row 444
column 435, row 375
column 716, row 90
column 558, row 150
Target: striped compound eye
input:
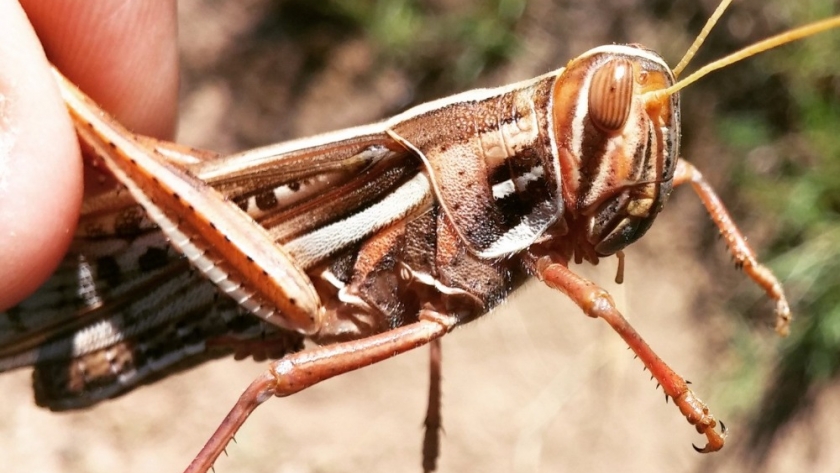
column 611, row 94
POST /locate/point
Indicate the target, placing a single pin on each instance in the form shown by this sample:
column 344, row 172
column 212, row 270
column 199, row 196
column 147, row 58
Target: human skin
column 121, row 53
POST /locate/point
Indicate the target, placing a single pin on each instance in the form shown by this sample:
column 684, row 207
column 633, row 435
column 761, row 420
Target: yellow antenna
column 769, row 43
column 692, row 50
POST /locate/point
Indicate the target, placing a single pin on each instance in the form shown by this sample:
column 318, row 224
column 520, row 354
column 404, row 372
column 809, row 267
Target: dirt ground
column 534, row 386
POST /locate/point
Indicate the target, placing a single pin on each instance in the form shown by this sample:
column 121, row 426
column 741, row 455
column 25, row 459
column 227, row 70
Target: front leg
column 742, row 253
column 596, row 302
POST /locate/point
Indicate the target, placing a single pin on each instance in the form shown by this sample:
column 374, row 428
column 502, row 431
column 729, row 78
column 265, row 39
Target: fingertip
column 40, row 164
column 123, row 54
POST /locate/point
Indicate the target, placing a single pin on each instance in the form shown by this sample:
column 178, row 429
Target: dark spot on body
column 152, row 259
column 13, row 314
column 108, row 269
column 242, row 203
column 265, row 200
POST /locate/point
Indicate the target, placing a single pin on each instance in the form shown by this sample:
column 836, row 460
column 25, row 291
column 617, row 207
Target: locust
column 369, row 241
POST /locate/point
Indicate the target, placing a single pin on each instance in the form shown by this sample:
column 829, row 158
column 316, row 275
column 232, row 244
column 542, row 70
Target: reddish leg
column 431, row 440
column 301, row 370
column 596, row 302
column 743, row 255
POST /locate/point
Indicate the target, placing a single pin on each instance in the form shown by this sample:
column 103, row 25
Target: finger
column 122, row 53
column 40, row 166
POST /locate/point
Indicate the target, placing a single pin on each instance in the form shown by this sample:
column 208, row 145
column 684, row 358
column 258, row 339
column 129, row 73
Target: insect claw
column 782, row 317
column 715, row 440
column 687, row 382
column 666, row 398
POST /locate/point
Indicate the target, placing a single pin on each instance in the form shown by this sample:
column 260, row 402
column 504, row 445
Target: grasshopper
column 369, row 241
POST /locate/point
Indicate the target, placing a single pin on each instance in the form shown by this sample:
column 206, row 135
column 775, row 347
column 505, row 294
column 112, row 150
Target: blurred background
column 533, row 386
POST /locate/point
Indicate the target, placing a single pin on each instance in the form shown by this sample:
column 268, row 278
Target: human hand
column 124, row 55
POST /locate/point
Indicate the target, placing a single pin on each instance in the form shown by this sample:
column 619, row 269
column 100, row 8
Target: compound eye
column 611, row 94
